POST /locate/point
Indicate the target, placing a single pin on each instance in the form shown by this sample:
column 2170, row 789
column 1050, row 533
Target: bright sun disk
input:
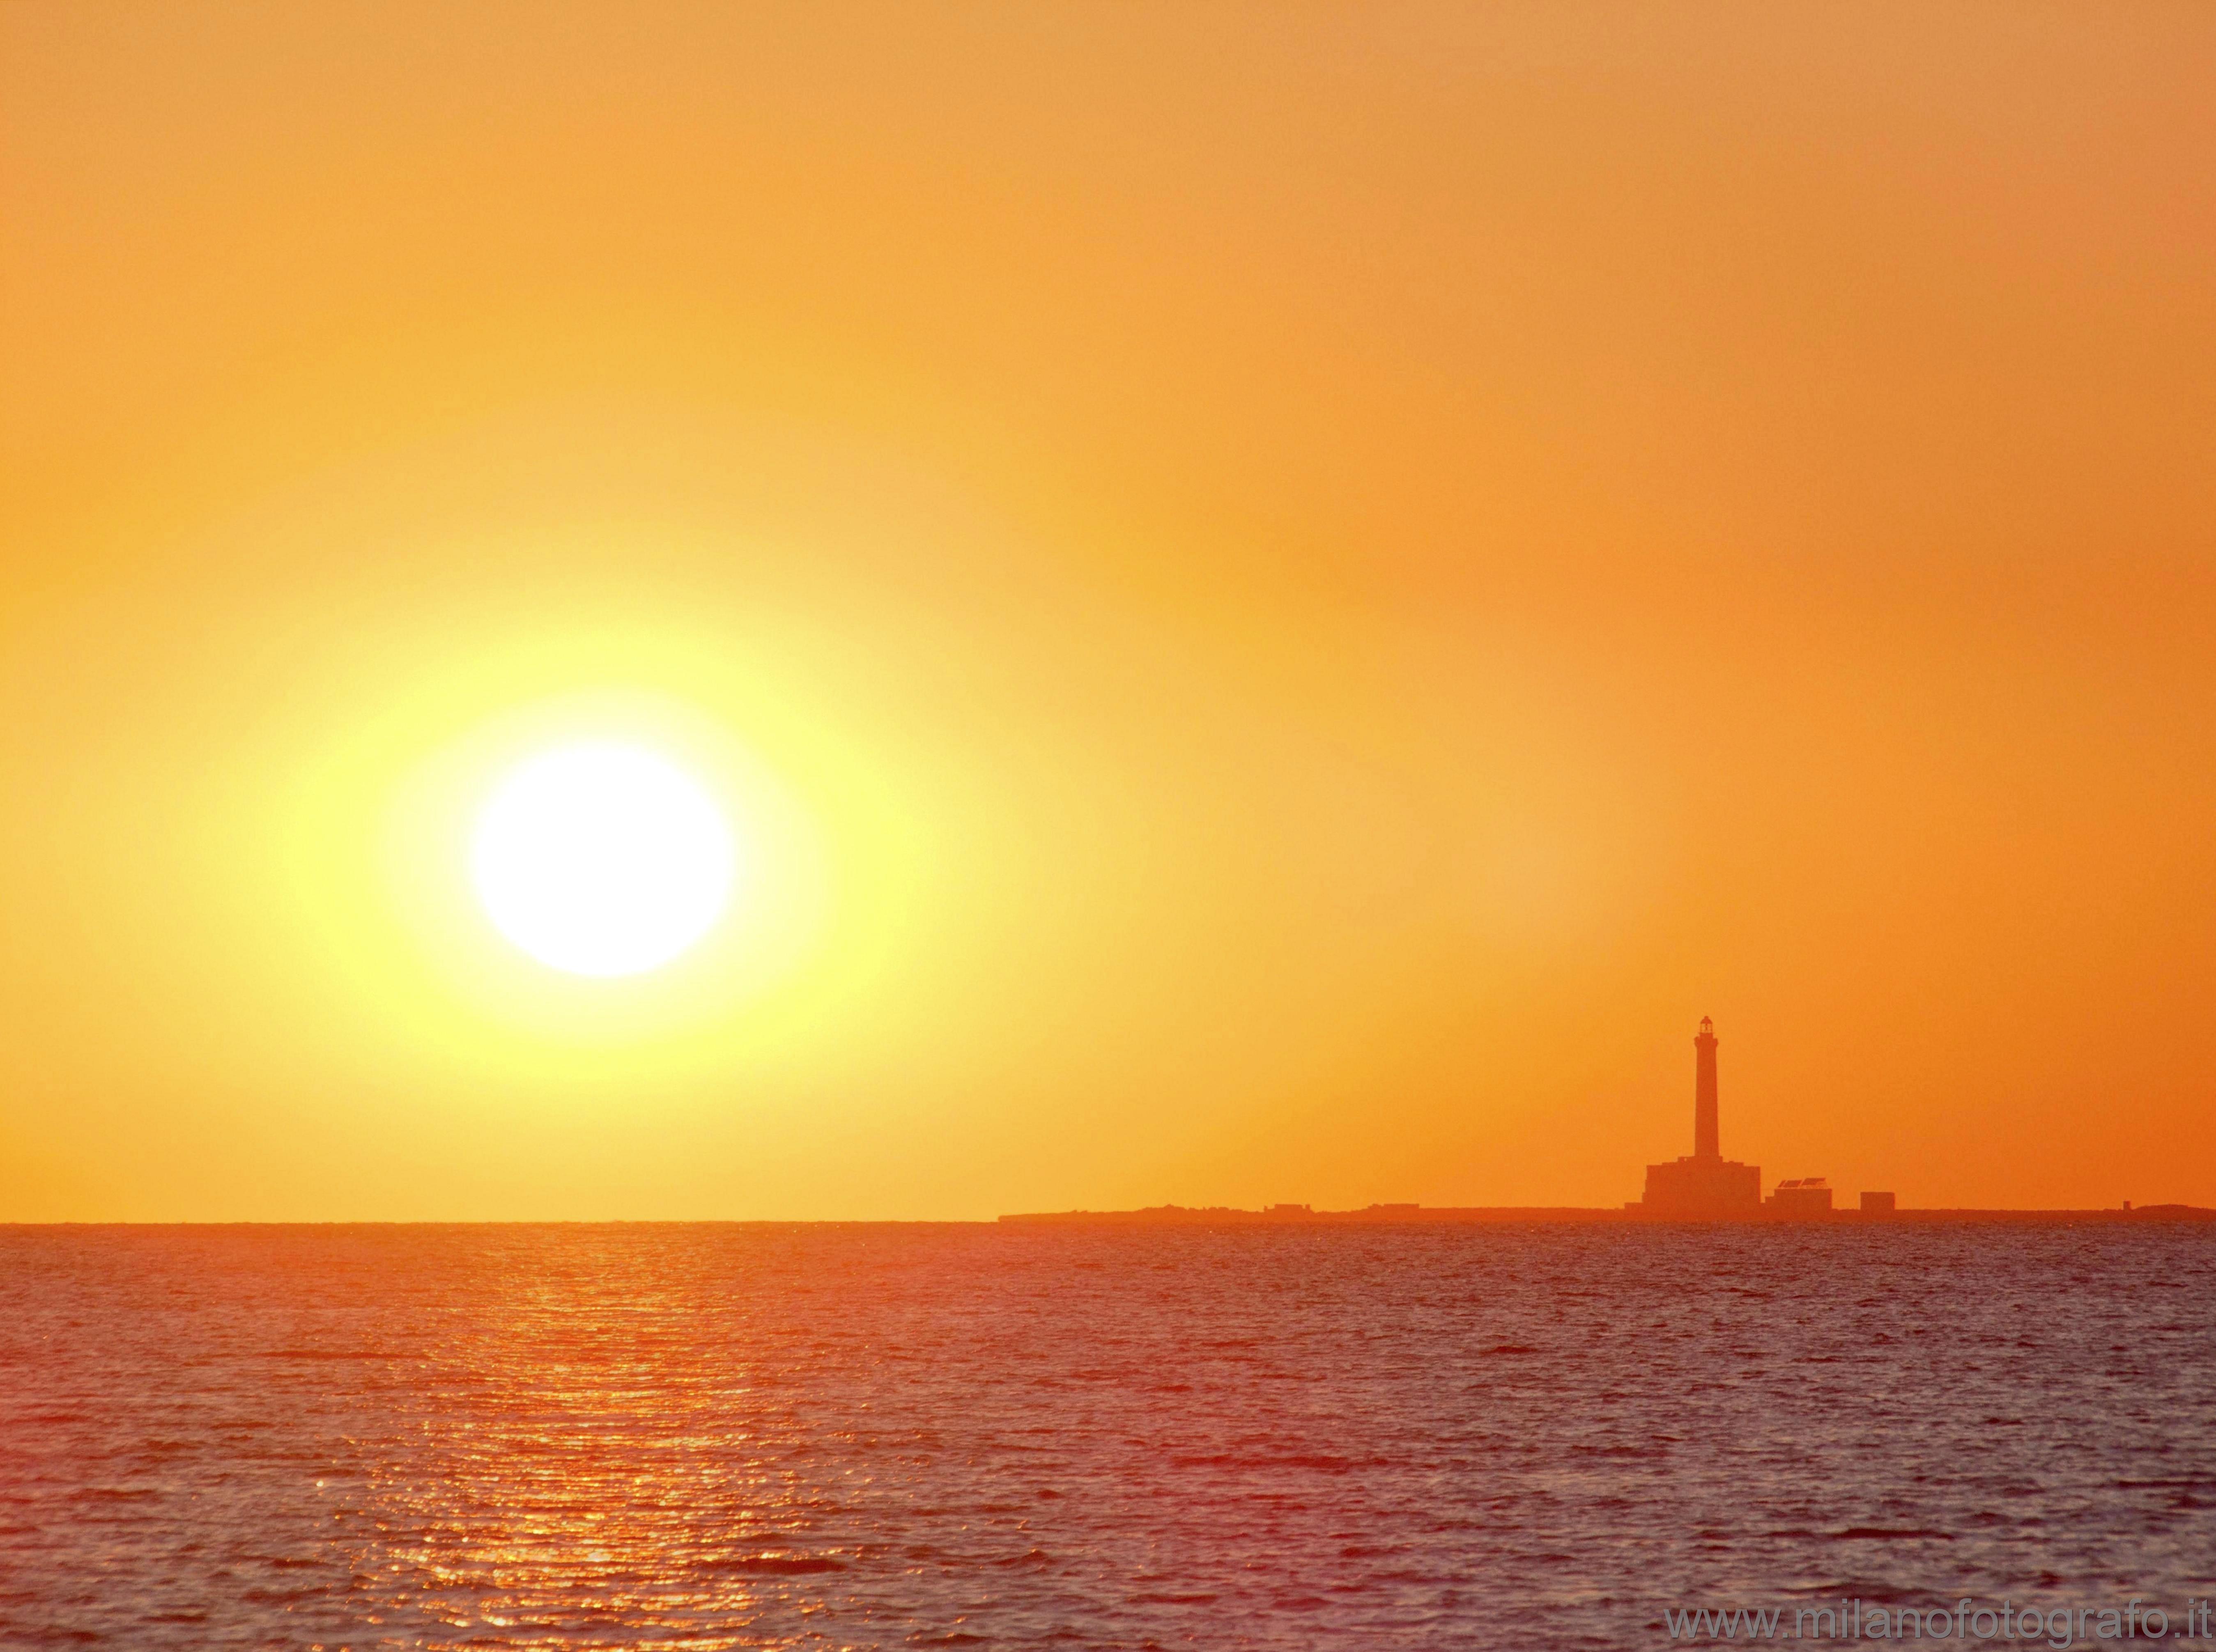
column 602, row 860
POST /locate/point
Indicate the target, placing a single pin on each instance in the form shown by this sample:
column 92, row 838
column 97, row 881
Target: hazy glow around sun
column 602, row 859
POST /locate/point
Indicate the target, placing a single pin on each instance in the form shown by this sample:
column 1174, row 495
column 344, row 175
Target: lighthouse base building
column 1703, row 1187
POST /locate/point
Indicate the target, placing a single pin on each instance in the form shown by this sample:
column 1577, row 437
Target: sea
column 1382, row 1437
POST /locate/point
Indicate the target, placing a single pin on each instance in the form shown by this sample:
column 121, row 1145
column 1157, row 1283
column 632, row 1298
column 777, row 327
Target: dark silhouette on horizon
column 1703, row 1186
column 1706, row 1183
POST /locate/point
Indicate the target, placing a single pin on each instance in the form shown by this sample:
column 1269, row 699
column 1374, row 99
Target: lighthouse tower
column 1706, row 1184
column 1704, row 1091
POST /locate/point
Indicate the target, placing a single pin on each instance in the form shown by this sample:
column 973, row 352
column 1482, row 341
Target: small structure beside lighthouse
column 1707, row 1183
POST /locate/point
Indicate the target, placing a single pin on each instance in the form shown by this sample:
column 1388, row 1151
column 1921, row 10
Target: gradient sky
column 1290, row 594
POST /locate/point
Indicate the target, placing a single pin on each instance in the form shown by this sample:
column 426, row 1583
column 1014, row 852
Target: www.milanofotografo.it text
column 1967, row 1620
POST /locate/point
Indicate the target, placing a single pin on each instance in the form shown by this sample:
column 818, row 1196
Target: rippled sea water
column 725, row 1436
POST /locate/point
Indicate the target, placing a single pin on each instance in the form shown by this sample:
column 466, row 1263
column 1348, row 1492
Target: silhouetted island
column 1702, row 1187
column 1708, row 1187
column 1378, row 1215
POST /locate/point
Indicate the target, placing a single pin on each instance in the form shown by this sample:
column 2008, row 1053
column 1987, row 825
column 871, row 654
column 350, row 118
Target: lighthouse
column 1704, row 1091
column 1706, row 1184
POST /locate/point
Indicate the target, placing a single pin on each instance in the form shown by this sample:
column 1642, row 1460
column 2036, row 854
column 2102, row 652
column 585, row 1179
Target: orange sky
column 1297, row 592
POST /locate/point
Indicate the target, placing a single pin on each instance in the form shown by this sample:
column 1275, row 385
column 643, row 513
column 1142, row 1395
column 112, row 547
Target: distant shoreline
column 1388, row 1215
column 1183, row 1216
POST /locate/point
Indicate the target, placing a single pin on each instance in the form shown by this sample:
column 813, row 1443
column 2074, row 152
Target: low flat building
column 1807, row 1195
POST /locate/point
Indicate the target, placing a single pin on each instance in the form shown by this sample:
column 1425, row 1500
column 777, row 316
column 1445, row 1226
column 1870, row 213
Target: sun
column 602, row 860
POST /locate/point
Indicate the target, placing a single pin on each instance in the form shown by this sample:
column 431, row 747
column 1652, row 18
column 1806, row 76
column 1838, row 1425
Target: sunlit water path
column 717, row 1436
